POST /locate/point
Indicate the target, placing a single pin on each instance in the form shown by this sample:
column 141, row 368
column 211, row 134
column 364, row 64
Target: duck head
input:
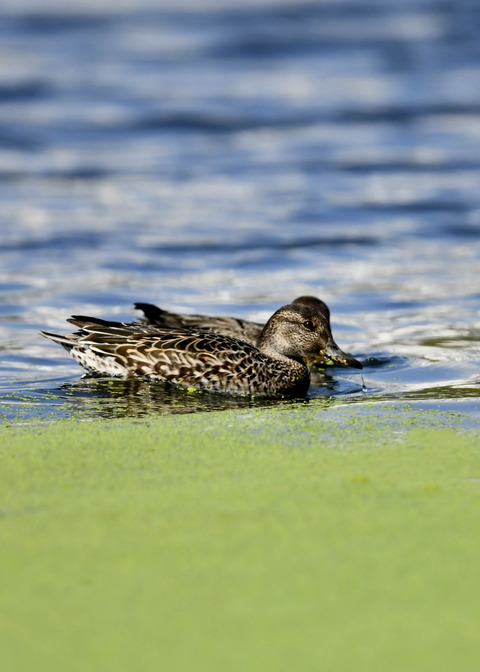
column 300, row 331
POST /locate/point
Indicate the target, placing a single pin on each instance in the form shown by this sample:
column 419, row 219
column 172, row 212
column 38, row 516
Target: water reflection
column 107, row 398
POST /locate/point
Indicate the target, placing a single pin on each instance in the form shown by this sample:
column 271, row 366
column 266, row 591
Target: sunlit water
column 225, row 157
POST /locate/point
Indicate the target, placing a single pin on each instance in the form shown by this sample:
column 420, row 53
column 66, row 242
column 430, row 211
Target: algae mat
column 238, row 541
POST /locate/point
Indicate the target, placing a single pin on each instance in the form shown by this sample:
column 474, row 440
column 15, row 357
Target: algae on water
column 259, row 540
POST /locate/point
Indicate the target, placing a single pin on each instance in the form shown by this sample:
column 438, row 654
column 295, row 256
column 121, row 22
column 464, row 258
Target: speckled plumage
column 206, row 360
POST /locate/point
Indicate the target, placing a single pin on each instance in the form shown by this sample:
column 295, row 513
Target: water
column 225, row 157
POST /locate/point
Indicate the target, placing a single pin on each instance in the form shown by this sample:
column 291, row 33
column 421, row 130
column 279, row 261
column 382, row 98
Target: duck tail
column 67, row 341
column 156, row 317
column 151, row 312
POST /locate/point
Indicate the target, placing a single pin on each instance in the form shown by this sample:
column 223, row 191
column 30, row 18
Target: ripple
column 25, row 91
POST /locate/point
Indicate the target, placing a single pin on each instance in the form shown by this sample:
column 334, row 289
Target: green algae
column 264, row 540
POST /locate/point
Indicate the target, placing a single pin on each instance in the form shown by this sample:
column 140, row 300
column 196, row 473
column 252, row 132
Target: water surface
column 227, row 157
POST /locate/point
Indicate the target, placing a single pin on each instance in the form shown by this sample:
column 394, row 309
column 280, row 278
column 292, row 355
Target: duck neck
column 266, row 344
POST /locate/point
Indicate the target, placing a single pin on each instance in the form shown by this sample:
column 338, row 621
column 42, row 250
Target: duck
column 204, row 360
column 245, row 330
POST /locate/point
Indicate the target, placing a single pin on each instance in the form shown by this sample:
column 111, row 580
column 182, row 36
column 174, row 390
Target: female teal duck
column 205, row 360
column 231, row 326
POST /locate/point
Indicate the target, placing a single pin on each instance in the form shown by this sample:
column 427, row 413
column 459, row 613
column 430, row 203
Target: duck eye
column 309, row 325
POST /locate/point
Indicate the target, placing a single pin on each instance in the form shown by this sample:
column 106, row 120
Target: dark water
column 224, row 157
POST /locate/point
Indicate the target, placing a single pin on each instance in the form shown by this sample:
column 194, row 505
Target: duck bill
column 333, row 352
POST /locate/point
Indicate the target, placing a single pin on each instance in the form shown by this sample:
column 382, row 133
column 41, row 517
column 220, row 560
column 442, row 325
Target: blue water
column 225, row 157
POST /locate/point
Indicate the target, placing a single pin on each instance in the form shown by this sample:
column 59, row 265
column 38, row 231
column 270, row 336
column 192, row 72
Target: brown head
column 315, row 303
column 300, row 331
